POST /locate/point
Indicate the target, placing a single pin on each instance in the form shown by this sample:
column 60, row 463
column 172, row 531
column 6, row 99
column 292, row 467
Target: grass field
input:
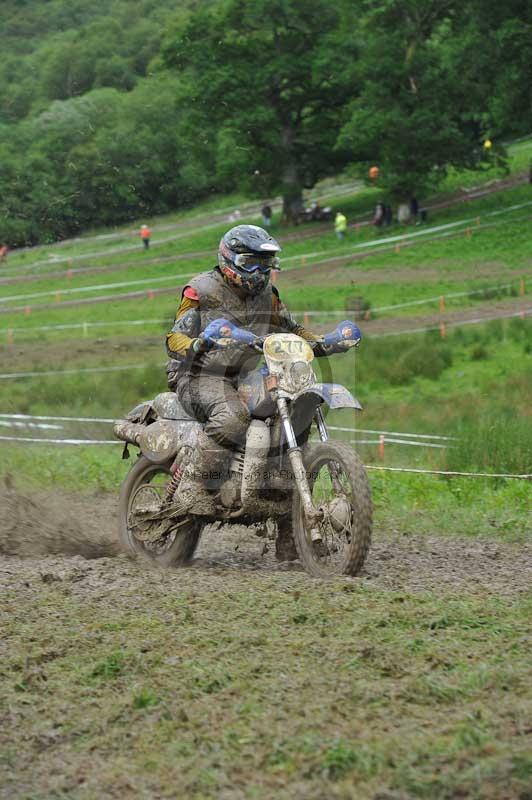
column 238, row 678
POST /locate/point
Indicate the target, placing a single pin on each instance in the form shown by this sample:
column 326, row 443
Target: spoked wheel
column 340, row 489
column 143, row 490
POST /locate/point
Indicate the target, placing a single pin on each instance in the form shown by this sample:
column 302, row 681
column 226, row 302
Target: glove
column 223, row 329
column 346, row 333
column 200, row 345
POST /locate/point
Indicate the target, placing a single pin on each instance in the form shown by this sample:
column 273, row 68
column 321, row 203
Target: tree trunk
column 292, row 188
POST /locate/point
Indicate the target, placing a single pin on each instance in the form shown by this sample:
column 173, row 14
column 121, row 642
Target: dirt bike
column 315, row 214
column 318, row 489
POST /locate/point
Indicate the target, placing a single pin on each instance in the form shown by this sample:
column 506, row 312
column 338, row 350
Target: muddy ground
column 48, row 537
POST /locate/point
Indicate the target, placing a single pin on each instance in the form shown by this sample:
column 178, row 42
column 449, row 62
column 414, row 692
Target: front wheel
column 146, row 482
column 340, row 491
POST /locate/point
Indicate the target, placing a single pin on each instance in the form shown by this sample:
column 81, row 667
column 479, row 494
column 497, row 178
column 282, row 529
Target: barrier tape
column 451, row 473
column 58, row 441
column 456, row 324
column 333, row 312
column 370, row 430
column 418, row 302
column 59, row 419
column 251, row 209
column 12, row 423
column 83, row 325
column 405, row 238
column 14, row 375
column 330, row 427
column 96, row 287
column 384, row 440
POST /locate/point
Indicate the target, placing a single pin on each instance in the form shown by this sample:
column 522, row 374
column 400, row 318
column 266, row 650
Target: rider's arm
column 186, row 326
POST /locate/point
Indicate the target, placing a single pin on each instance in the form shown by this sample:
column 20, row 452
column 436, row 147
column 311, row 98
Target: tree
column 269, row 79
column 413, row 117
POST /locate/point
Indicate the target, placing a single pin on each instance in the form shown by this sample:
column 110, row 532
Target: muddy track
column 69, row 539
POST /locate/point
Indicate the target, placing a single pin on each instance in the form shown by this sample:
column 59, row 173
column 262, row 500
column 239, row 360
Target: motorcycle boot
column 201, row 477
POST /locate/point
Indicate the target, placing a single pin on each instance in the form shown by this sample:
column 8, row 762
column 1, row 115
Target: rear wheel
column 145, row 485
column 340, row 489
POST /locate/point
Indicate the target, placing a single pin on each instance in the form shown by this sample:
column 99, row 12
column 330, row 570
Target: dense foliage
column 107, row 114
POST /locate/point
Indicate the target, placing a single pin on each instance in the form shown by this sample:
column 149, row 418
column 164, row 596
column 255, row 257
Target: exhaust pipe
column 128, row 431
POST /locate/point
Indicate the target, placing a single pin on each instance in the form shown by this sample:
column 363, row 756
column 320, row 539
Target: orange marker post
column 305, row 319
column 151, row 294
column 442, row 303
column 397, row 248
column 27, row 310
column 381, row 447
column 522, row 286
column 443, row 332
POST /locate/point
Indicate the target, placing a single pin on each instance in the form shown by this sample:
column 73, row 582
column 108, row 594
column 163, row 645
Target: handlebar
column 259, row 343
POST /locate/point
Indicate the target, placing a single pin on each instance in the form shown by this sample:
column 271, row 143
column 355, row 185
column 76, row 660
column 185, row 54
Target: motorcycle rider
column 235, row 299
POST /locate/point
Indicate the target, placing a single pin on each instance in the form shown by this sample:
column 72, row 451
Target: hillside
column 106, row 115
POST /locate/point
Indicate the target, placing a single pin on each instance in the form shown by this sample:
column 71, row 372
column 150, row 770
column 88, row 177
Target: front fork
column 312, row 515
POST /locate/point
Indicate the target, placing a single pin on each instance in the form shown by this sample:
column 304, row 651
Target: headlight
column 300, row 372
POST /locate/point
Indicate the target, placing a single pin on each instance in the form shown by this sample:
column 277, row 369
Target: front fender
column 304, row 404
column 334, row 394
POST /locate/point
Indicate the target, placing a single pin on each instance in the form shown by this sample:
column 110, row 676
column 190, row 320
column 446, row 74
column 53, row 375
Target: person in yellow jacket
column 340, row 225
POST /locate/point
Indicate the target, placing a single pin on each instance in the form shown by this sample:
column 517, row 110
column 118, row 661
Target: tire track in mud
column 66, row 538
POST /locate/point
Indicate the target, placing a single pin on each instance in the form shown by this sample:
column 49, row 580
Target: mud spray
column 38, row 523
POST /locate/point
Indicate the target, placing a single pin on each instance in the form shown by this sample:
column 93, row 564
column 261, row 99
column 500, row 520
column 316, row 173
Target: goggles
column 252, row 262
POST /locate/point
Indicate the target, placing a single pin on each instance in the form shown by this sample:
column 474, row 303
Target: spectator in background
column 3, row 252
column 145, row 235
column 266, row 216
column 388, row 214
column 379, row 216
column 340, row 225
column 414, row 209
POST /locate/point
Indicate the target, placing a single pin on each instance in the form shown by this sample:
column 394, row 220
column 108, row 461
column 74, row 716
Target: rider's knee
column 229, row 426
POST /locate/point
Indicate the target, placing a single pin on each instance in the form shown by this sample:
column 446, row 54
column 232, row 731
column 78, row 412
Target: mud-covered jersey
column 187, row 324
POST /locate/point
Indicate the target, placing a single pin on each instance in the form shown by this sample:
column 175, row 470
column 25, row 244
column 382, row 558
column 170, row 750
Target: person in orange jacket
column 145, row 235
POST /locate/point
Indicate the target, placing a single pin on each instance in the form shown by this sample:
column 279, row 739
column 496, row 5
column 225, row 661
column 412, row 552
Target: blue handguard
column 345, row 332
column 223, row 329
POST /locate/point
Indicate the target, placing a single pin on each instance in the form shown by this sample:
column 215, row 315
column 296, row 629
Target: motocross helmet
column 246, row 256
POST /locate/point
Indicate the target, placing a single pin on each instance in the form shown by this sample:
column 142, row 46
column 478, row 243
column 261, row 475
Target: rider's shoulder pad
column 191, row 293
